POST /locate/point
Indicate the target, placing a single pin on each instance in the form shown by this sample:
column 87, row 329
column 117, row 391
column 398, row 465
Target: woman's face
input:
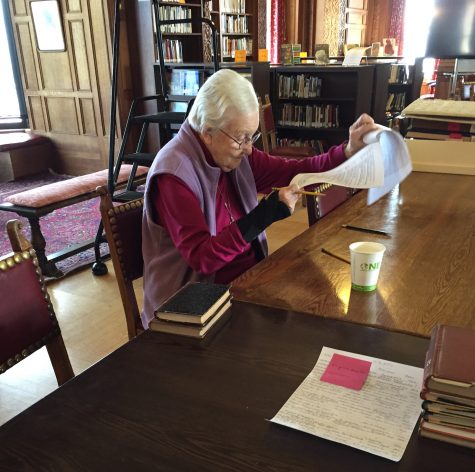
column 229, row 144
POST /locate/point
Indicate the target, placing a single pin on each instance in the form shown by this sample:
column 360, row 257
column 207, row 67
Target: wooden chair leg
column 60, row 360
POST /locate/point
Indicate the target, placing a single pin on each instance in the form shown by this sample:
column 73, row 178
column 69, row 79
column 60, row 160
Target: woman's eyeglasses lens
column 246, row 140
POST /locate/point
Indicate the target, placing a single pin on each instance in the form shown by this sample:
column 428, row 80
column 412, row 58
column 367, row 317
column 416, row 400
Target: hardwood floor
column 91, row 317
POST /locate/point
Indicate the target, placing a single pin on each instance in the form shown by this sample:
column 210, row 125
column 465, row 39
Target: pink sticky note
column 346, row 371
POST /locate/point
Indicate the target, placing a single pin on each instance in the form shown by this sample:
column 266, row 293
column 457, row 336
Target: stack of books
column 449, row 387
column 441, row 120
column 440, row 130
column 193, row 310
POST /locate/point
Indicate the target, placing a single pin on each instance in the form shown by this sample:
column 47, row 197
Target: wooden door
column 68, row 92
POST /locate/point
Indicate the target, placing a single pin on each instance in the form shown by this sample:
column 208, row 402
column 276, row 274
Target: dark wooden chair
column 27, row 318
column 319, row 206
column 269, row 135
column 123, row 229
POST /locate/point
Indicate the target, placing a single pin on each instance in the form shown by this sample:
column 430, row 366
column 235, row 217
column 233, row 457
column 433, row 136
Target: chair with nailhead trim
column 319, row 206
column 123, row 229
column 27, row 318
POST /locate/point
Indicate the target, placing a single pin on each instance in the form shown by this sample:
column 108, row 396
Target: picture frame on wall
column 47, row 23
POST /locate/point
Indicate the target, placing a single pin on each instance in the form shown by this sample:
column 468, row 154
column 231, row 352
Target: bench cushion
column 66, row 189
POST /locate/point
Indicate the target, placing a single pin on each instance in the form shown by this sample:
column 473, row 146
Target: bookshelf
column 314, row 104
column 180, row 40
column 236, row 21
column 404, row 85
column 184, row 79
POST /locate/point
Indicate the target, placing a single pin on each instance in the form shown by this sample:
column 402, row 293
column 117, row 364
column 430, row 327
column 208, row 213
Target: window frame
column 23, row 123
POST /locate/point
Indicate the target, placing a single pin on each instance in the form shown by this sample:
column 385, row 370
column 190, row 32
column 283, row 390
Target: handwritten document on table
column 378, row 419
column 383, row 163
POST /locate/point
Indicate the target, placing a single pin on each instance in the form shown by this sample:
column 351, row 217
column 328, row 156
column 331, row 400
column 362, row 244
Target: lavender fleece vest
column 165, row 271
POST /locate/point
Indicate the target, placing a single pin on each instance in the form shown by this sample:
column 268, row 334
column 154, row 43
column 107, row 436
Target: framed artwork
column 322, row 53
column 375, row 47
column 48, row 25
column 389, row 47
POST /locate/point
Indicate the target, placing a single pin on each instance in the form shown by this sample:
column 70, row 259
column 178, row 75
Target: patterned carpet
column 61, row 228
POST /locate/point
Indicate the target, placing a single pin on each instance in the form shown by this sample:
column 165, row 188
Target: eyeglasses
column 247, row 140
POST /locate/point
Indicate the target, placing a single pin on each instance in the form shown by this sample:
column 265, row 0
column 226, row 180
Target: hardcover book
column 443, row 406
column 442, row 398
column 456, row 421
column 194, row 303
column 190, row 329
column 460, row 436
column 450, row 362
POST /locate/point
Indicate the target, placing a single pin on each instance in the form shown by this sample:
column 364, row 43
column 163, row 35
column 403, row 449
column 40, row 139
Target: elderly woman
column 202, row 220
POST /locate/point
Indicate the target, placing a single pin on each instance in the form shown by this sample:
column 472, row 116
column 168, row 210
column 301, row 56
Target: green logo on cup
column 371, row 266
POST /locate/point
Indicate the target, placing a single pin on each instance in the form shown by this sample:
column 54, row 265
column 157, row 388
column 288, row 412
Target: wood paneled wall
column 68, row 92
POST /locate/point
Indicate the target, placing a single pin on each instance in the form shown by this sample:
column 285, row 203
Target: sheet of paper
column 382, row 164
column 353, row 57
column 378, row 419
column 396, row 162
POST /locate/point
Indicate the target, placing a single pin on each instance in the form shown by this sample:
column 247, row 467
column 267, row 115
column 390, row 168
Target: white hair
column 223, row 95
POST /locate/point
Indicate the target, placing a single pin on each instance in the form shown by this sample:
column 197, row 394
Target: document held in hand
column 382, row 164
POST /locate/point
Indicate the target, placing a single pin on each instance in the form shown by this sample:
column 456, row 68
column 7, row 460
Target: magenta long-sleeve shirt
column 226, row 254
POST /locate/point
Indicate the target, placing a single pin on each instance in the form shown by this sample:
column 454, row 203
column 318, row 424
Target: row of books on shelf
column 172, row 50
column 319, row 145
column 233, row 6
column 299, row 86
column 449, row 387
column 167, row 12
column 310, row 116
column 399, row 74
column 230, row 45
column 234, row 24
column 396, row 102
column 194, row 310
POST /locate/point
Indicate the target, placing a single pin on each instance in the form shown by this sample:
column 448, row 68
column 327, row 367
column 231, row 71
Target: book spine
column 431, row 357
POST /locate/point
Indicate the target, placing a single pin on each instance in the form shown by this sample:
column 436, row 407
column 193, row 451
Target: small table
column 166, row 403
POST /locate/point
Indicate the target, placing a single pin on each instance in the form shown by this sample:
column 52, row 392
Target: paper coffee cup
column 366, row 258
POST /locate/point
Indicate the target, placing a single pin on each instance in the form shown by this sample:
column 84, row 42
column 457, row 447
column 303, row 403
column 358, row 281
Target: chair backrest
column 266, row 125
column 318, row 207
column 27, row 318
column 123, row 228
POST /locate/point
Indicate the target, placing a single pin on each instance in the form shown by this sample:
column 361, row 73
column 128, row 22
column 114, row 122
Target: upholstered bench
column 38, row 202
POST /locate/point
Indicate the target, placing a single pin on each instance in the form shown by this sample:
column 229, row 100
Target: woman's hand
column 289, row 196
column 364, row 124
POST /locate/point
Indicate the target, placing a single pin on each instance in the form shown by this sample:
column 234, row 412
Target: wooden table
column 172, row 404
column 428, row 271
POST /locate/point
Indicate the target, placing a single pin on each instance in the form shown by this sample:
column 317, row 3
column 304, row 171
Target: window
column 417, row 19
column 12, row 103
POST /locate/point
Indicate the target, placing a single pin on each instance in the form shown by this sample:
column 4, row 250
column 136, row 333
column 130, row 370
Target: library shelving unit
column 236, row 21
column 404, row 85
column 313, row 103
column 180, row 42
column 184, row 79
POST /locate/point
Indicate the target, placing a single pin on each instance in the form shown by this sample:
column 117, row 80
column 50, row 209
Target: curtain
column 396, row 25
column 307, row 25
column 277, row 29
